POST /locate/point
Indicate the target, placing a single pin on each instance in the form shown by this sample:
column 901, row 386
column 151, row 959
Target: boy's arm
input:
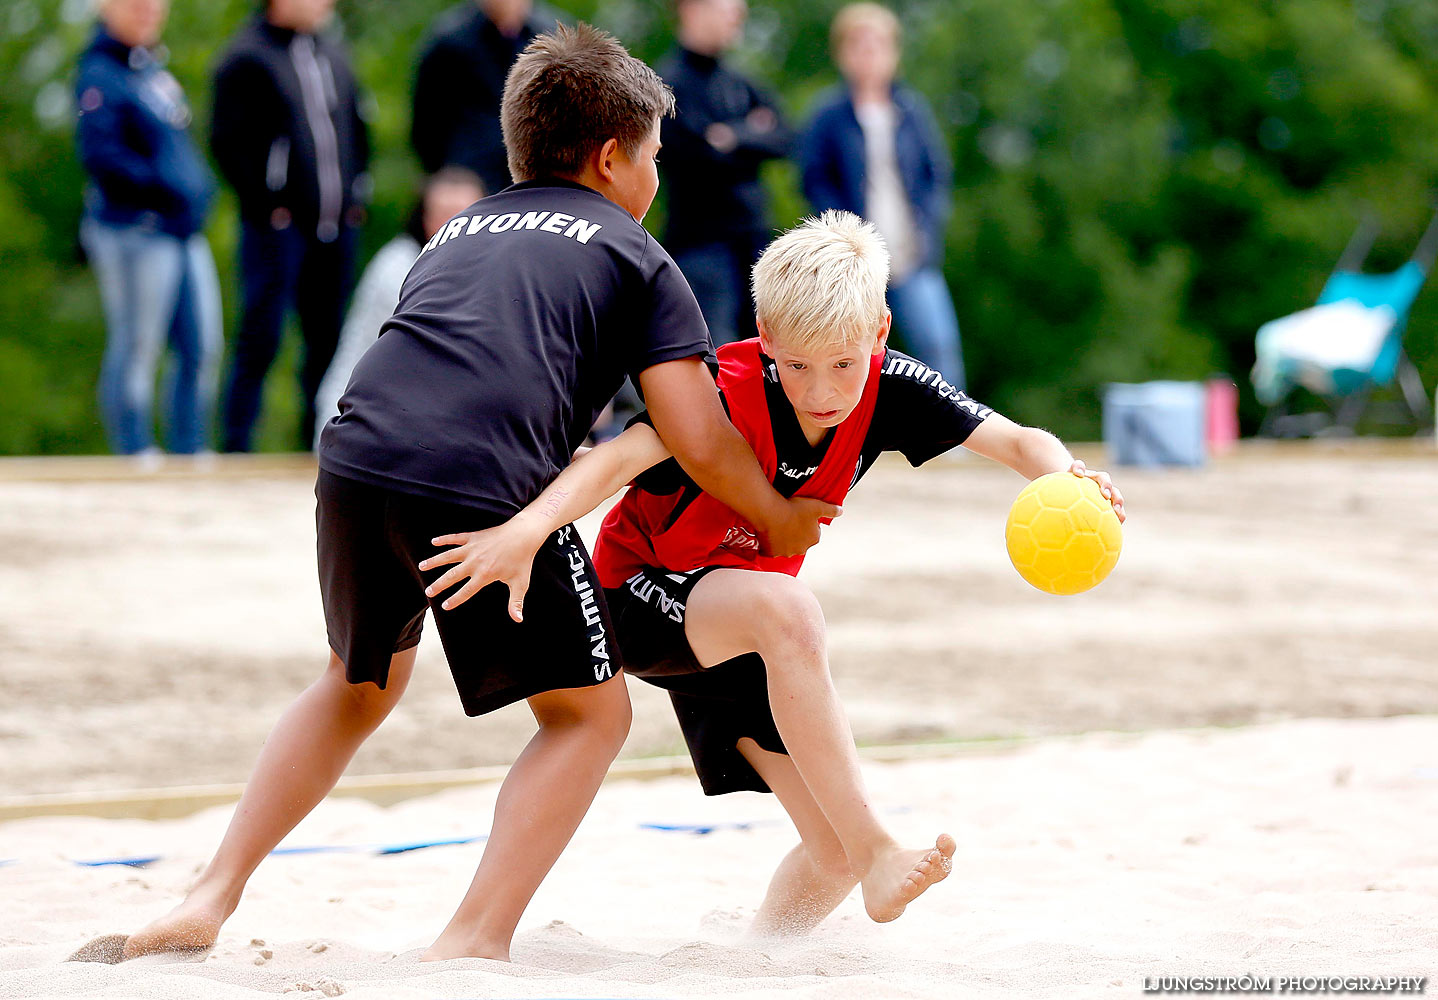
column 1032, row 452
column 685, row 408
column 505, row 553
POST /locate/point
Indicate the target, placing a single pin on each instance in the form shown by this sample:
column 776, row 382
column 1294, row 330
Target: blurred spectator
column 724, row 131
column 459, row 83
column 288, row 135
column 144, row 208
column 445, row 195
column 872, row 148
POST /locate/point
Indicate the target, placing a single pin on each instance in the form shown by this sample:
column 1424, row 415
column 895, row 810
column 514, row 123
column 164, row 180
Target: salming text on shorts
column 717, row 706
column 370, row 542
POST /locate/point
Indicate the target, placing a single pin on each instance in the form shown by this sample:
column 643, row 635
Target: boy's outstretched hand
column 496, row 555
column 796, row 529
column 1105, row 485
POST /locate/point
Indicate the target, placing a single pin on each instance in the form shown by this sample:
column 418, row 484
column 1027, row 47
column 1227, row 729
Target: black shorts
column 371, row 541
column 716, row 707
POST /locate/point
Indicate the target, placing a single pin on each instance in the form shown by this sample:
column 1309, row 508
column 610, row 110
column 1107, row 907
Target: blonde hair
column 862, row 15
column 822, row 283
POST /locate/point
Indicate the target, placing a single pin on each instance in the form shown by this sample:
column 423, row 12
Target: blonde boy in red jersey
column 732, row 634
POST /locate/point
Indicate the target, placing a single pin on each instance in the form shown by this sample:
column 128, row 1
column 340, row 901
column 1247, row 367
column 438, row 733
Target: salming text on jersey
column 787, row 470
column 906, row 367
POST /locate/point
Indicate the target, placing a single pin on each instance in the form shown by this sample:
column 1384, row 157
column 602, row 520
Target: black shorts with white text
column 370, row 542
column 716, row 706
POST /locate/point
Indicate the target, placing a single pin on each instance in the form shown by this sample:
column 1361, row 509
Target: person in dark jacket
column 288, row 135
column 145, row 206
column 457, row 87
column 725, row 129
column 872, row 148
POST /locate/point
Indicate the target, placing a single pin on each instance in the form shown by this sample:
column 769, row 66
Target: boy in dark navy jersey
column 513, row 330
column 701, row 611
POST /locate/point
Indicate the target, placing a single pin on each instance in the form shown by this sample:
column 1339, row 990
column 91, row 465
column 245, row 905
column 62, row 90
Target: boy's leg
column 302, row 758
column 814, row 877
column 540, row 804
column 731, row 612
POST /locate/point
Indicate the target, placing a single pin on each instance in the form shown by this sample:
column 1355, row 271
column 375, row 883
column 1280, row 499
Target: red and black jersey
column 666, row 521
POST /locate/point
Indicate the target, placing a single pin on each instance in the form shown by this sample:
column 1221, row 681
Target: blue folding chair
column 1347, row 389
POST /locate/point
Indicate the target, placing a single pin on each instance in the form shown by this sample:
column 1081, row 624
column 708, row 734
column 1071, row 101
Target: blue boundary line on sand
column 383, row 850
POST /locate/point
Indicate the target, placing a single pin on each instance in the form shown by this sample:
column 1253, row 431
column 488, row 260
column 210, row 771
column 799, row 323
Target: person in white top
column 446, row 193
column 872, row 148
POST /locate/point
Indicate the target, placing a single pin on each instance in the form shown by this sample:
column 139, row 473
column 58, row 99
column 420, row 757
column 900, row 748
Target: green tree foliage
column 1139, row 183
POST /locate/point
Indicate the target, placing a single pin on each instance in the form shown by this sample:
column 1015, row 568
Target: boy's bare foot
column 164, row 936
column 899, row 876
column 189, row 929
column 452, row 946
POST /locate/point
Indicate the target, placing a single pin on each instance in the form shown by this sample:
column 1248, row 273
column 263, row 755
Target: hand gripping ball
column 1062, row 535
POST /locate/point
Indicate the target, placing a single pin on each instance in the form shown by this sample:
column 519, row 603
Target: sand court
column 1266, row 647
column 1085, row 865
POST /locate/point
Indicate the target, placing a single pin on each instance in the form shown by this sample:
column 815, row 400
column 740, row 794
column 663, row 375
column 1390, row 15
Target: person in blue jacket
column 872, row 148
column 149, row 191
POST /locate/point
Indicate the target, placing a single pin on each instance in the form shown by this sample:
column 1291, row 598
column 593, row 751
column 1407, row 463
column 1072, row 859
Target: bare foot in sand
column 453, row 946
column 189, row 929
column 900, row 876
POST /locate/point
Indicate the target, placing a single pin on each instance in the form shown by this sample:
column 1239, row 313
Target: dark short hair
column 570, row 92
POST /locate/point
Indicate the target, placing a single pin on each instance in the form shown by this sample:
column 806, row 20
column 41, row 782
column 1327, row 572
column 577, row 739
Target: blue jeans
column 925, row 320
column 719, row 275
column 281, row 269
column 156, row 289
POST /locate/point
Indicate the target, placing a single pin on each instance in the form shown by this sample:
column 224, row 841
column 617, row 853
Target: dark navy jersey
column 918, row 413
column 514, row 328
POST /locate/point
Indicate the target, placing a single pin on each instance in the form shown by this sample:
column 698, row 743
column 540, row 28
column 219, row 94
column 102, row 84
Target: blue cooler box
column 1155, row 423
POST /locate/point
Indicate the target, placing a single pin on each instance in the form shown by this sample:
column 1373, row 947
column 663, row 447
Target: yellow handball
column 1062, row 535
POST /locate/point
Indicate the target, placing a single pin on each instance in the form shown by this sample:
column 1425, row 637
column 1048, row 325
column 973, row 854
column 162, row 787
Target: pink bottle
column 1221, row 397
